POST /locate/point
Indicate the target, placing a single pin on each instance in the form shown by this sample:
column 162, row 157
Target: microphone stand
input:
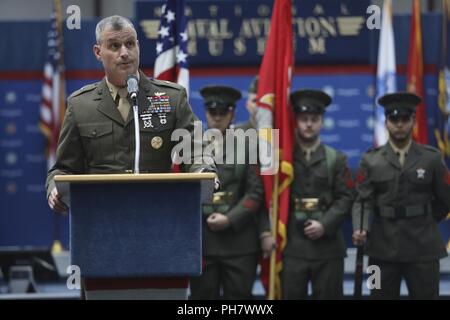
column 137, row 137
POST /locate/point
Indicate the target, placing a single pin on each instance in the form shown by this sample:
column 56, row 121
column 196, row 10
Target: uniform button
column 94, row 133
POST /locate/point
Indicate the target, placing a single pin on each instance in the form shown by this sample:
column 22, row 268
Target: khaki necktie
column 123, row 105
column 308, row 155
column 401, row 157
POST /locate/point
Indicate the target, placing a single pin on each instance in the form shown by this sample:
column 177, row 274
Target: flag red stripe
column 169, row 75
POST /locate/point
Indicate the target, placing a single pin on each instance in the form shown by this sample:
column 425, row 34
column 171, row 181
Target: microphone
column 132, row 87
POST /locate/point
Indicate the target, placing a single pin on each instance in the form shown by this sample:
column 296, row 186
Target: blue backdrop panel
column 136, row 229
column 239, row 36
column 25, row 218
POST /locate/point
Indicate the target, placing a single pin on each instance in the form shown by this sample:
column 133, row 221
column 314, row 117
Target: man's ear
column 96, row 49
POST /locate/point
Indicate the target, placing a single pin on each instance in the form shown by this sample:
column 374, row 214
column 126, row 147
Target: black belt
column 402, row 212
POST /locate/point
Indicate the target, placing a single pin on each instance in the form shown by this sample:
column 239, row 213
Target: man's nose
column 124, row 51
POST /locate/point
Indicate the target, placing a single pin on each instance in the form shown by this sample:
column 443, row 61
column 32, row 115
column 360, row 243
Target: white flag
column 386, row 74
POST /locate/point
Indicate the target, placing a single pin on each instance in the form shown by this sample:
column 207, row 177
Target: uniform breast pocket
column 159, row 125
column 382, row 181
column 321, row 180
column 98, row 142
column 420, row 179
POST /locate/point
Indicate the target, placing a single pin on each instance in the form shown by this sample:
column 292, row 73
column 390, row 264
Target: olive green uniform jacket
column 95, row 139
column 400, row 203
column 311, row 180
column 246, row 196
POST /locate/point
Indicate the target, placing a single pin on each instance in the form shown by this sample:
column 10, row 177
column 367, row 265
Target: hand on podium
column 216, row 183
column 55, row 203
column 216, row 178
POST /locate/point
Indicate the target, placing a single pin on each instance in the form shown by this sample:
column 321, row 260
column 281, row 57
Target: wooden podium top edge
column 129, row 177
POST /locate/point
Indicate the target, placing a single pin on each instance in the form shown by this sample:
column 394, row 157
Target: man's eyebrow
column 119, row 40
column 111, row 40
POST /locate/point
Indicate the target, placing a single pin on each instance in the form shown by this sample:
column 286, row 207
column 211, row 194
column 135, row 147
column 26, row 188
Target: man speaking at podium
column 98, row 135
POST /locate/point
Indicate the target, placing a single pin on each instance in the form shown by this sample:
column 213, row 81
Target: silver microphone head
column 132, row 85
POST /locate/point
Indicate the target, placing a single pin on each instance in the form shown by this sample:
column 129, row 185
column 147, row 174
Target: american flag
column 53, row 89
column 171, row 62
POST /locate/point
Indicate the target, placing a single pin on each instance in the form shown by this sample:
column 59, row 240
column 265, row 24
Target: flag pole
column 273, row 255
column 57, row 246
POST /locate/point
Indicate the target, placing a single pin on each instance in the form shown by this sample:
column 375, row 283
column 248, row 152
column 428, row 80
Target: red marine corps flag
column 414, row 74
column 275, row 123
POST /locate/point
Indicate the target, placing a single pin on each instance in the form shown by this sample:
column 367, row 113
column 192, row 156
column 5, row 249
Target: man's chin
column 308, row 139
column 126, row 69
column 401, row 137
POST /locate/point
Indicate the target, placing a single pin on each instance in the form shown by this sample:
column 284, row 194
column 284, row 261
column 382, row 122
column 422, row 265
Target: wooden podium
column 136, row 226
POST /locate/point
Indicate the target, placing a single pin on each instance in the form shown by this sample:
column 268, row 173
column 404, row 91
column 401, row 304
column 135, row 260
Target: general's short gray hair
column 113, row 22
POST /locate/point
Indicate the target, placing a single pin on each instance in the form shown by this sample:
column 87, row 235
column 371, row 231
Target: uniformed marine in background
column 404, row 190
column 321, row 197
column 250, row 105
column 231, row 235
column 267, row 241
